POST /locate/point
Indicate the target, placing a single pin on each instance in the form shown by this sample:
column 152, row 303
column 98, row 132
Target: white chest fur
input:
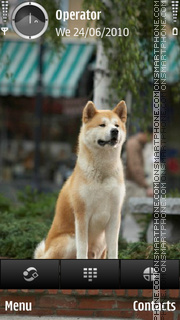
column 102, row 200
column 102, row 193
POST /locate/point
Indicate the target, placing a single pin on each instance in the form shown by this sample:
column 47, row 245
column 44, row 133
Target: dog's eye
column 116, row 125
column 102, row 125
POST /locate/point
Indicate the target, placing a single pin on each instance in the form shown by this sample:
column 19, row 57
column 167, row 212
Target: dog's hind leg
column 61, row 247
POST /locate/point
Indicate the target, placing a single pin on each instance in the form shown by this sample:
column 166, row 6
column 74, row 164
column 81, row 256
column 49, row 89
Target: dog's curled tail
column 40, row 250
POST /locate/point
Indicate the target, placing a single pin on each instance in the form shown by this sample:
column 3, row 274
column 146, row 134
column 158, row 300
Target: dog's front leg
column 112, row 234
column 81, row 231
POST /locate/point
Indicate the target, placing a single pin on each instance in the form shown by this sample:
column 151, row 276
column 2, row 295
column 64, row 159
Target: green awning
column 173, row 60
column 61, row 73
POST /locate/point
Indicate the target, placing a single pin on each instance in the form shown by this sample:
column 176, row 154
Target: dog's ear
column 89, row 111
column 121, row 111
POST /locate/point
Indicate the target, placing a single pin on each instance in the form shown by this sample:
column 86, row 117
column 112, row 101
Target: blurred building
column 67, row 84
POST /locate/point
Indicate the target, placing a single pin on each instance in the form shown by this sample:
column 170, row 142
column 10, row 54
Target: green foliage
column 24, row 225
column 36, row 204
column 129, row 56
column 174, row 193
column 142, row 250
column 145, row 220
column 136, row 250
column 4, row 204
column 50, row 34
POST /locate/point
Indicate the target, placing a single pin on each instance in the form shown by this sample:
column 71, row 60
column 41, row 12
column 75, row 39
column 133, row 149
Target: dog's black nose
column 114, row 132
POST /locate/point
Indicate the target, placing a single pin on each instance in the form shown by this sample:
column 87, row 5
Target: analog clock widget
column 30, row 20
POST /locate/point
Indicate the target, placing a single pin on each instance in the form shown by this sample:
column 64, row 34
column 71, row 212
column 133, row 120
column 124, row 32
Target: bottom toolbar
column 88, row 274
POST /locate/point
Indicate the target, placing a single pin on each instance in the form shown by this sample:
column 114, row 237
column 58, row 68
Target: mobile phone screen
column 90, row 158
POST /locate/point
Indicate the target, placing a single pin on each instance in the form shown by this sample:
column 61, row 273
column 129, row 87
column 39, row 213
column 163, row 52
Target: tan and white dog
column 88, row 209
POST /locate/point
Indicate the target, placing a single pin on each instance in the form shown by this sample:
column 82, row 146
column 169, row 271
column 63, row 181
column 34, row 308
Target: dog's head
column 104, row 128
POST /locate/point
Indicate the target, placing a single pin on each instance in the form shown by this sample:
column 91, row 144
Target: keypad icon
column 89, row 273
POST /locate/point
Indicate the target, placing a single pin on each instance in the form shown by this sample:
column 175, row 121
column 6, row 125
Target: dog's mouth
column 112, row 142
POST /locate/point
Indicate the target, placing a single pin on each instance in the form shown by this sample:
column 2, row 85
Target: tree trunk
column 104, row 96
column 101, row 79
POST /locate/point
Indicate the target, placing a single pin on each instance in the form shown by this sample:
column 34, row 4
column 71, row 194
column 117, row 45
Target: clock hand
column 30, row 18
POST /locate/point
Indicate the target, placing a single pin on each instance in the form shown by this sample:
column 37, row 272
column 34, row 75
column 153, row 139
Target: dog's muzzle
column 113, row 141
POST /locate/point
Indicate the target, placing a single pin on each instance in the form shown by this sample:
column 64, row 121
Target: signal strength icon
column 175, row 5
column 5, row 7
